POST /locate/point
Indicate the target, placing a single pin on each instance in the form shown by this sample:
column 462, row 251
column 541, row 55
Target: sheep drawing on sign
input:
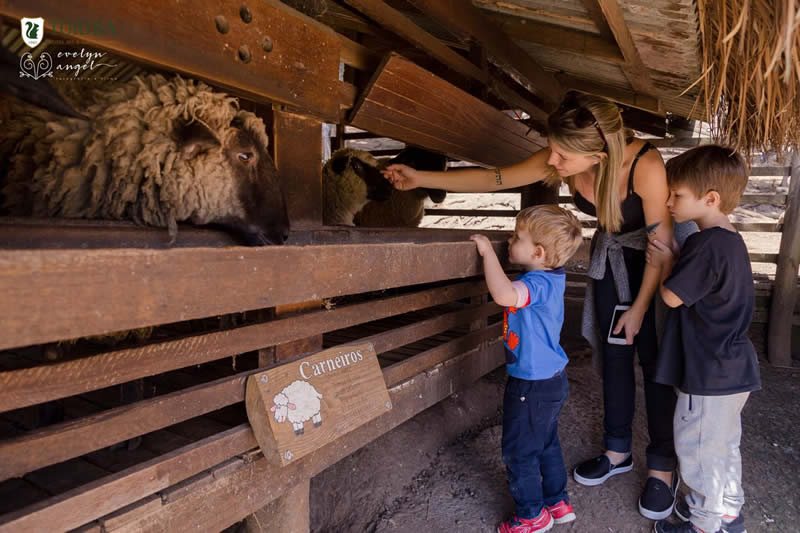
column 298, row 402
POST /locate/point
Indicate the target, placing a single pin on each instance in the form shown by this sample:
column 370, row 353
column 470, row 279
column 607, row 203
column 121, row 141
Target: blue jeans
column 531, row 449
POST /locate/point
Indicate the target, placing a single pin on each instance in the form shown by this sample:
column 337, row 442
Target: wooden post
column 298, row 157
column 779, row 328
column 287, row 514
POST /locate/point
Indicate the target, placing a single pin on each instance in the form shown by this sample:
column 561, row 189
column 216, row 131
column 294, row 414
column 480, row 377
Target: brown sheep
column 154, row 151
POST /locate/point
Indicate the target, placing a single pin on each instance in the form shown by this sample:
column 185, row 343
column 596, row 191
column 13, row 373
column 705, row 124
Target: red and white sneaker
column 543, row 522
column 562, row 512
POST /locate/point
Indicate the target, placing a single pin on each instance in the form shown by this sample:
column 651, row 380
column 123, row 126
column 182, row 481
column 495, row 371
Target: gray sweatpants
column 707, row 434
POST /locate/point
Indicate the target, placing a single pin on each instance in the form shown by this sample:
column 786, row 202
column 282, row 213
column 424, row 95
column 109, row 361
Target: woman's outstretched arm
column 531, row 170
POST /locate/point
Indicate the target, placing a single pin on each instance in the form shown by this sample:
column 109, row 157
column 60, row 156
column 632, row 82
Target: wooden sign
column 303, row 405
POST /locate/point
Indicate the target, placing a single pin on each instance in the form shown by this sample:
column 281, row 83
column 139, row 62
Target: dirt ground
column 462, row 485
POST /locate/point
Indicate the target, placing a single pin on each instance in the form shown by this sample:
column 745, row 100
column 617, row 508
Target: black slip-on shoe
column 596, row 471
column 658, row 499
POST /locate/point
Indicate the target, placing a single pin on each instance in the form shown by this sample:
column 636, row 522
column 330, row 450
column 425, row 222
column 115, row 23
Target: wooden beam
column 51, row 295
column 635, row 70
column 513, row 98
column 599, row 19
column 466, row 18
column 183, row 36
column 784, row 294
column 408, row 103
column 553, row 36
column 297, row 144
column 403, row 26
column 633, row 99
column 358, row 56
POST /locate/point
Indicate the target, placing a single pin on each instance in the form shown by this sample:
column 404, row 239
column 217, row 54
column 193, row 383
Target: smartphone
column 620, row 337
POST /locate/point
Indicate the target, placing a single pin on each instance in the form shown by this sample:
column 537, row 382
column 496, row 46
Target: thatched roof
column 751, row 72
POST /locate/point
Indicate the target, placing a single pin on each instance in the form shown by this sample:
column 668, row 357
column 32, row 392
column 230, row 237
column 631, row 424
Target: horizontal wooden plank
column 60, row 442
column 299, row 68
column 768, row 198
column 770, row 171
column 408, row 103
column 18, row 233
column 263, row 482
column 403, row 370
column 105, row 495
column 51, row 295
column 29, row 386
column 510, row 213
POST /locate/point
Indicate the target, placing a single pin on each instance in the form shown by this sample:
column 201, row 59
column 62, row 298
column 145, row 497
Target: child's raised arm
column 500, row 286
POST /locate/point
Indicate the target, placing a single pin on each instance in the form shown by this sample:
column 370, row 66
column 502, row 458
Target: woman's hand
column 631, row 321
column 402, row 177
column 483, row 243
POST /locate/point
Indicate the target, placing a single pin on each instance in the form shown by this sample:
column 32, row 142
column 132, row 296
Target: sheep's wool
column 125, row 161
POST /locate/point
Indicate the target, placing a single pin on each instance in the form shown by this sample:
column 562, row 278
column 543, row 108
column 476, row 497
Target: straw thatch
column 751, row 72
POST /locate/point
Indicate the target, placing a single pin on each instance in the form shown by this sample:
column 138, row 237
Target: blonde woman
column 622, row 181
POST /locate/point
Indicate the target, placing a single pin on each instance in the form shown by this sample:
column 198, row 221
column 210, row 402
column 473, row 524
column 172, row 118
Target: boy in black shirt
column 705, row 352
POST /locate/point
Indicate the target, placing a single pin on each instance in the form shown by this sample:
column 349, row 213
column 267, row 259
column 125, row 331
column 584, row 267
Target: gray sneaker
column 729, row 523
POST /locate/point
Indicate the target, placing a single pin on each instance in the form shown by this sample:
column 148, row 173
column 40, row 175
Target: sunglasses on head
column 583, row 117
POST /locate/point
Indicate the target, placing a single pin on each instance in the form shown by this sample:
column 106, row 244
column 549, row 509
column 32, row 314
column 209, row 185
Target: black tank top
column 632, row 210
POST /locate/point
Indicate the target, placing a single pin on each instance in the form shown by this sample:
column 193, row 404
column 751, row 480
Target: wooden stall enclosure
column 149, row 432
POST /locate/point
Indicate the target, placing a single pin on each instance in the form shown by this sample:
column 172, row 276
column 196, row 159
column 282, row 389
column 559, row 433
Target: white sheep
column 298, row 402
column 355, row 195
column 152, row 150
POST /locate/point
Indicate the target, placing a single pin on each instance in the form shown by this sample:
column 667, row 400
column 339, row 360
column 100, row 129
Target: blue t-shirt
column 531, row 332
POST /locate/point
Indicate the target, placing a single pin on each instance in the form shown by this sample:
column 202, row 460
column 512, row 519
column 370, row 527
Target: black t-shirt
column 705, row 349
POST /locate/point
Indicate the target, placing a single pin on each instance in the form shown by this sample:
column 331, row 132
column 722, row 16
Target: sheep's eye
column 245, row 156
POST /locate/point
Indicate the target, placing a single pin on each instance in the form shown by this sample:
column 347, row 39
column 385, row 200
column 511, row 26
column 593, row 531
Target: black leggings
column 619, row 382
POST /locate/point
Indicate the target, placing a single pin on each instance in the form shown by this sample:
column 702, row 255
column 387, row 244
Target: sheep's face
column 377, row 187
column 260, row 190
column 258, row 211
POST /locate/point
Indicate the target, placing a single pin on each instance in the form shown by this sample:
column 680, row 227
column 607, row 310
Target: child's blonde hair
column 553, row 228
column 710, row 168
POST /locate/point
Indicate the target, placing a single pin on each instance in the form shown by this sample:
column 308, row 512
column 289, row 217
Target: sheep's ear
column 195, row 138
column 339, row 164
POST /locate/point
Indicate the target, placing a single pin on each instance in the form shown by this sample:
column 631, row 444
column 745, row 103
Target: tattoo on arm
column 498, row 178
column 652, row 227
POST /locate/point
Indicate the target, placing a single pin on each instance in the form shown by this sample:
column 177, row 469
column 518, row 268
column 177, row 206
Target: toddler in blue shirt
column 545, row 237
